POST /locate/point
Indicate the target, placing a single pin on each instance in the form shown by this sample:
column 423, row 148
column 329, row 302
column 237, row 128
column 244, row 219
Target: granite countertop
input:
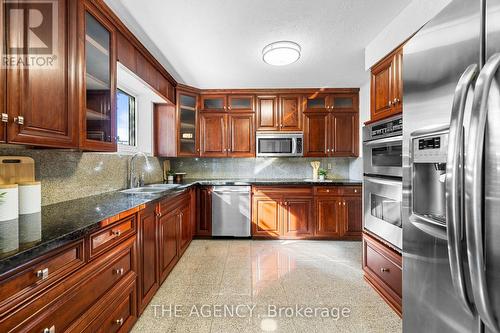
column 64, row 222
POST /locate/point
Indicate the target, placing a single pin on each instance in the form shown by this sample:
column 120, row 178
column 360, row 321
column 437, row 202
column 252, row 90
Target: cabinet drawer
column 337, row 190
column 104, row 239
column 284, row 190
column 62, row 305
column 378, row 263
column 169, row 204
column 44, row 273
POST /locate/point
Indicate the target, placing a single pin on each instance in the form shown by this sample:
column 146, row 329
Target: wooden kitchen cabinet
column 225, row 134
column 333, row 134
column 214, row 103
column 353, row 217
column 317, row 103
column 290, row 112
column 240, row 103
column 204, row 212
column 41, row 103
column 344, row 133
column 266, row 216
column 267, row 113
column 185, row 222
column 188, row 143
column 387, row 86
column 329, row 218
column 298, row 217
column 98, row 41
column 316, row 134
column 169, row 254
column 148, row 259
column 213, row 135
column 241, row 135
column 382, row 267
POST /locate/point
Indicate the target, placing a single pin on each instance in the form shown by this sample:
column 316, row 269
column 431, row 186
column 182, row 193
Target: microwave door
column 275, row 146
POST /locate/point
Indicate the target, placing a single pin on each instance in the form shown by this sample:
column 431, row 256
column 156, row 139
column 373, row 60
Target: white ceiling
column 218, row 43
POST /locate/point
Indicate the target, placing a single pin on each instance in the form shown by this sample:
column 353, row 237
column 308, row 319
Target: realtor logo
column 31, row 33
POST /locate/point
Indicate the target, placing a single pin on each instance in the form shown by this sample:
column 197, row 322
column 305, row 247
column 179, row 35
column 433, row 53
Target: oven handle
column 382, row 181
column 384, row 140
column 453, row 185
column 474, row 215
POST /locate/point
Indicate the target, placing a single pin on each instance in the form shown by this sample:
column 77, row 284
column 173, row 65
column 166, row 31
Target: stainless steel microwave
column 279, row 144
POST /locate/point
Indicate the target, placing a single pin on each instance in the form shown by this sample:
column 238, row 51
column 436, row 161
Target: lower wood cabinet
column 185, row 234
column 382, row 268
column 307, row 212
column 169, row 254
column 148, row 255
column 203, row 212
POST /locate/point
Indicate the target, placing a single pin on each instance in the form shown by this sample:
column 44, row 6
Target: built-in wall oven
column 383, row 187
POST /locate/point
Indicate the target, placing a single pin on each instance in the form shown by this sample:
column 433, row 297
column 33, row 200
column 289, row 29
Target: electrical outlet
column 329, row 166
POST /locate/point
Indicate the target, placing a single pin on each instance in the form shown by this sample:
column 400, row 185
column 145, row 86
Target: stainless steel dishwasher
column 231, row 211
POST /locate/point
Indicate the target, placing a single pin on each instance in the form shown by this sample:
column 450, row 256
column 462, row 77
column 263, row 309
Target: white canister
column 30, row 217
column 9, row 224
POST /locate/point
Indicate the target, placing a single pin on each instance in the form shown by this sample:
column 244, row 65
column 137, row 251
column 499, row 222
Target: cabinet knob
column 5, row 118
column 116, row 232
column 328, row 191
column 328, row 150
column 390, row 103
column 119, row 322
column 384, row 270
column 344, row 203
column 19, row 120
column 229, row 107
column 118, row 271
column 42, row 274
column 51, row 329
column 158, row 214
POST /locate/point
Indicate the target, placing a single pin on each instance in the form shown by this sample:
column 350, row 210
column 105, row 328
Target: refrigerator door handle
column 474, row 193
column 454, row 218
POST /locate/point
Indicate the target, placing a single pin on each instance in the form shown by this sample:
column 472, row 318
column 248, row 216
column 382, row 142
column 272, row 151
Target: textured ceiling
column 218, row 43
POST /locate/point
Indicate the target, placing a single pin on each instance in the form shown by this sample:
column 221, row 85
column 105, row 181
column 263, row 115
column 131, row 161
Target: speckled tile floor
column 268, row 286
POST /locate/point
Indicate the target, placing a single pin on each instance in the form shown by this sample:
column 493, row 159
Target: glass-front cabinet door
column 316, row 103
column 344, row 102
column 243, row 103
column 214, row 103
column 100, row 85
column 188, row 135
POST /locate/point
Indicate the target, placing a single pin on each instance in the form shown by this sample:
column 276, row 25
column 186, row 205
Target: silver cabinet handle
column 19, row 120
column 473, row 188
column 119, row 322
column 453, row 185
column 390, row 103
column 118, row 271
column 42, row 274
column 384, row 270
column 5, row 118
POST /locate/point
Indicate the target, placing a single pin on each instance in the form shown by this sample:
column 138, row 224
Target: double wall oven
column 382, row 168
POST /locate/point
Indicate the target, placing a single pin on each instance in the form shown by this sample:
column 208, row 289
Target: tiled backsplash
column 67, row 175
column 258, row 167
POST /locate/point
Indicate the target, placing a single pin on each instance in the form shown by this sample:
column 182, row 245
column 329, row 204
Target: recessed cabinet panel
column 241, row 135
column 267, row 113
column 266, row 216
column 41, row 101
column 329, row 217
column 290, row 113
column 298, row 217
column 316, row 132
column 213, row 133
column 345, row 134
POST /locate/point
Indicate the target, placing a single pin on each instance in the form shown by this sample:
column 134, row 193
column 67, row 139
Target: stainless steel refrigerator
column 451, row 171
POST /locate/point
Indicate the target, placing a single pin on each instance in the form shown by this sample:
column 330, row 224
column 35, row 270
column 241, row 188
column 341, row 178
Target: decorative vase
column 170, row 179
column 321, row 177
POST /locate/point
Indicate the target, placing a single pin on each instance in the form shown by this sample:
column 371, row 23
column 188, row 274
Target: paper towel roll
column 9, row 225
column 30, row 217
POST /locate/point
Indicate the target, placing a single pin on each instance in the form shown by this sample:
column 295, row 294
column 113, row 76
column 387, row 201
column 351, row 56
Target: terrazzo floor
column 268, row 286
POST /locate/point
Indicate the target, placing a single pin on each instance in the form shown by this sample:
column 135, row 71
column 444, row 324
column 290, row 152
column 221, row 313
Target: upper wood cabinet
column 99, row 51
column 331, row 125
column 267, row 113
column 187, row 124
column 290, row 112
column 225, row 134
column 126, row 53
column 241, row 135
column 40, row 103
column 217, row 103
column 228, row 103
column 387, row 86
column 279, row 113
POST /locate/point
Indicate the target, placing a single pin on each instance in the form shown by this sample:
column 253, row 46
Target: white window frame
column 121, row 148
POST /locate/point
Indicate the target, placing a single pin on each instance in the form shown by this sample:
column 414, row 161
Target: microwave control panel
column 430, row 149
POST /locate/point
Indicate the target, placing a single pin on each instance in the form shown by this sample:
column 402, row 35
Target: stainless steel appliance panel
column 434, row 60
column 382, row 208
column 231, row 211
column 383, row 157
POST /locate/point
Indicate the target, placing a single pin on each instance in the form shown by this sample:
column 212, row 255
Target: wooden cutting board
column 16, row 169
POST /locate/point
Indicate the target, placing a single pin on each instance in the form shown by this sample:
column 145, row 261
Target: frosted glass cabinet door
column 188, row 135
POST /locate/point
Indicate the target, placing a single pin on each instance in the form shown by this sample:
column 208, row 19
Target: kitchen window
column 126, row 118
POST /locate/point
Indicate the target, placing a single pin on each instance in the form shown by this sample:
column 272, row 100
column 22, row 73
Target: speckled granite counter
column 74, row 219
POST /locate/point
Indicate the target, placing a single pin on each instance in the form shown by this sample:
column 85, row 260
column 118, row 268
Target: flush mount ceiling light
column 281, row 53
